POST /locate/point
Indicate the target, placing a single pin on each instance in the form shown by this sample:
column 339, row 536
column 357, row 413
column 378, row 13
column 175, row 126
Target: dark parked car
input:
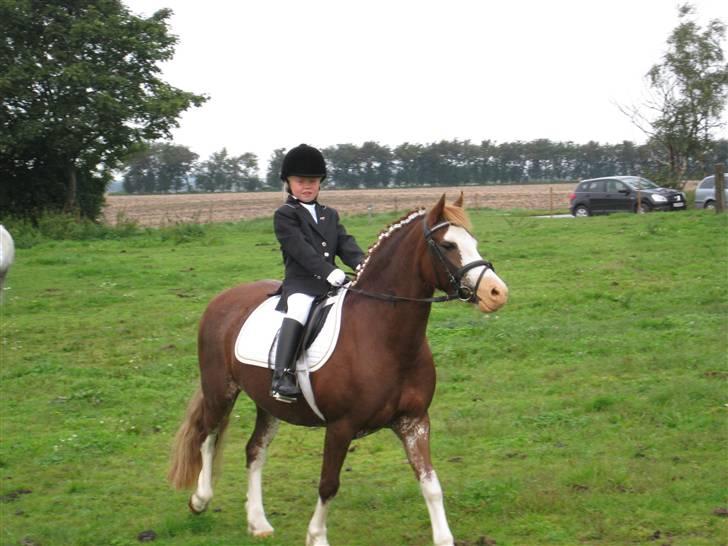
column 623, row 194
column 705, row 193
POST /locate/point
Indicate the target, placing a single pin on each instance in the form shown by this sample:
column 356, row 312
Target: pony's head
column 454, row 253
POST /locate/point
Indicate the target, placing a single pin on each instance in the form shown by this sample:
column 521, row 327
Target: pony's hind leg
column 198, row 445
column 266, row 427
column 414, row 432
column 202, row 496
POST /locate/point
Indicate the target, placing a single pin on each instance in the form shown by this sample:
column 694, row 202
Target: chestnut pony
column 381, row 374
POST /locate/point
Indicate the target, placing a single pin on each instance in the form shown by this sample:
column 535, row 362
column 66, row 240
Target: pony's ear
column 433, row 217
column 459, row 201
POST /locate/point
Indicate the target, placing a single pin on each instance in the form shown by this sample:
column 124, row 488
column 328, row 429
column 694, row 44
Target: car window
column 708, row 183
column 593, row 185
column 643, row 183
column 614, row 186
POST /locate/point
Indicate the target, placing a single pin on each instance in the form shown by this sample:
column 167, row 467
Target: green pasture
column 590, row 410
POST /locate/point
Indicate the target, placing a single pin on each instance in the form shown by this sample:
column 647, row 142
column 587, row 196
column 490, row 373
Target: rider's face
column 305, row 188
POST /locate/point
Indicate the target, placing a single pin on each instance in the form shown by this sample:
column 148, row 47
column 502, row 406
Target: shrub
column 57, row 226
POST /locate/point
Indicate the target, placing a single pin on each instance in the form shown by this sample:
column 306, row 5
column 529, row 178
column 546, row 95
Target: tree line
column 167, row 167
column 164, row 167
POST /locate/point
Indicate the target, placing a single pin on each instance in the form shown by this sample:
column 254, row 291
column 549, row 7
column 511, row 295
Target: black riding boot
column 285, row 387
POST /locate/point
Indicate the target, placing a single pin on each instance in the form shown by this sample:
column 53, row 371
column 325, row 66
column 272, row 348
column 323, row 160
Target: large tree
column 689, row 88
column 80, row 87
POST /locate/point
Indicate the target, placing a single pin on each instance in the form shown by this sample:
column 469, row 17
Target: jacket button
column 318, row 277
column 323, row 243
column 326, row 254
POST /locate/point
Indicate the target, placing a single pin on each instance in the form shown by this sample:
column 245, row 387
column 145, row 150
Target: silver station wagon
column 705, row 193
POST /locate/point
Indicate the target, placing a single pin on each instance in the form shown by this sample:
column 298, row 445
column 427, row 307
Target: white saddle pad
column 254, row 344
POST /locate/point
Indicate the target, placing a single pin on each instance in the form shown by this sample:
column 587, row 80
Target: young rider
column 310, row 235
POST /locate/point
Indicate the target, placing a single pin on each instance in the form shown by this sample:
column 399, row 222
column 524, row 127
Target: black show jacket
column 309, row 248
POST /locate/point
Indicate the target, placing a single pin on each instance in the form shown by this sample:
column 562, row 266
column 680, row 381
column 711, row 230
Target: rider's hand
column 336, row 278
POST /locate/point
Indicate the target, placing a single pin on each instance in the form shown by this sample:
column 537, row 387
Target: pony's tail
column 186, row 456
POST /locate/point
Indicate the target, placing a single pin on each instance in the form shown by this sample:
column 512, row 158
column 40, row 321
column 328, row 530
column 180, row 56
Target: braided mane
column 385, row 234
column 455, row 215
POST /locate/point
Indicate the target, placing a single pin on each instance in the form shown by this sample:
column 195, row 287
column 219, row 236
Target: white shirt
column 311, row 207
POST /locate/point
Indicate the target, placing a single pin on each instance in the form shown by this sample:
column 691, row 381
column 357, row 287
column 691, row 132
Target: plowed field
column 156, row 210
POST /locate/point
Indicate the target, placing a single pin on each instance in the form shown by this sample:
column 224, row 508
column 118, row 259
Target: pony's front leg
column 338, row 439
column 414, row 432
column 265, row 430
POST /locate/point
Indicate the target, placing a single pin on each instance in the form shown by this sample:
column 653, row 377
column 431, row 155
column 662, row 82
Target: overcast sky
column 325, row 72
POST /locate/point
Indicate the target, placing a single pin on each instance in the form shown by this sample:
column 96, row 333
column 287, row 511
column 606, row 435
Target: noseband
column 454, row 274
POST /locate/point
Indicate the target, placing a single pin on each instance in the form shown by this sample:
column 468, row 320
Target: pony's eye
column 445, row 245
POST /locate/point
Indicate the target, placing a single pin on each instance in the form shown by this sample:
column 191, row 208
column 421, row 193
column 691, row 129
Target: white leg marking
column 201, row 498
column 415, row 434
column 258, row 524
column 316, row 535
column 431, row 490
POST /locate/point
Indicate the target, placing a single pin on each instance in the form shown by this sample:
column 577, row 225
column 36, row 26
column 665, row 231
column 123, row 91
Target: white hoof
column 316, row 540
column 260, row 529
column 198, row 504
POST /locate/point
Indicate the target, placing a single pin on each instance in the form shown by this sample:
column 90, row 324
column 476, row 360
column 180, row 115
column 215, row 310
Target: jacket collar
column 321, row 213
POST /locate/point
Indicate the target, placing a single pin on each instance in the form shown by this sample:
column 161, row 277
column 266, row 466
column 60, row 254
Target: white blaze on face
column 492, row 291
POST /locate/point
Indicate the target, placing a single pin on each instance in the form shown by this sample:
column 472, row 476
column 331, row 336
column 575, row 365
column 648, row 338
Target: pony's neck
column 392, row 266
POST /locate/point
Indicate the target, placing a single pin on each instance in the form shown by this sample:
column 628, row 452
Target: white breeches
column 299, row 305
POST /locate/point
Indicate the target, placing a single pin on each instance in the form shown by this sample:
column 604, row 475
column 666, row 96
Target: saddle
column 256, row 341
column 316, row 319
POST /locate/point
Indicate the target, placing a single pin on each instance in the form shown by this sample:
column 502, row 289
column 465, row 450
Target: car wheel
column 581, row 211
column 643, row 207
column 709, row 205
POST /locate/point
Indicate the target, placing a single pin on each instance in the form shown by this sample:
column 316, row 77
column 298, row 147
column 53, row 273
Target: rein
column 393, row 298
column 454, row 274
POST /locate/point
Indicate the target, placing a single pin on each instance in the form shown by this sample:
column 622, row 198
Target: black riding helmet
column 303, row 160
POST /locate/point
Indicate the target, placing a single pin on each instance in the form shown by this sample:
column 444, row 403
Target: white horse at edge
column 7, row 254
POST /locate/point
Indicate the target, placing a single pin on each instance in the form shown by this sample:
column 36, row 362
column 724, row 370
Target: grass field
column 590, row 410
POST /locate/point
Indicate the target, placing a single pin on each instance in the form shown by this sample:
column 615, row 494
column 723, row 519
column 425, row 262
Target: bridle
column 455, row 275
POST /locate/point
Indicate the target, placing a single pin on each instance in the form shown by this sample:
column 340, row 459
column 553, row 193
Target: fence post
column 719, row 188
column 639, row 200
column 551, row 200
